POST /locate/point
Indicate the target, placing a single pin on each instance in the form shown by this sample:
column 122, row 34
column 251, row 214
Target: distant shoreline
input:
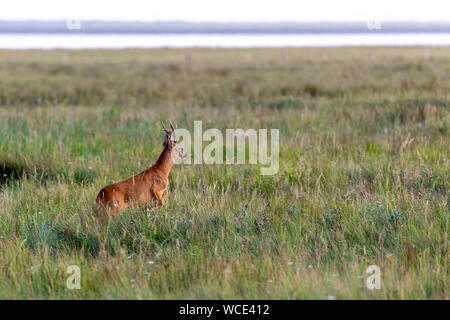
column 232, row 28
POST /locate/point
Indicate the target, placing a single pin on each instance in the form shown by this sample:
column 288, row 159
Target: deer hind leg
column 110, row 207
column 102, row 213
column 107, row 211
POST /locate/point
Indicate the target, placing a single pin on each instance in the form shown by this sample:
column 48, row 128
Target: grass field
column 363, row 179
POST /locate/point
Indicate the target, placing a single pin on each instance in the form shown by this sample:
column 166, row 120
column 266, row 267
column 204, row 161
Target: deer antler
column 164, row 128
column 171, row 125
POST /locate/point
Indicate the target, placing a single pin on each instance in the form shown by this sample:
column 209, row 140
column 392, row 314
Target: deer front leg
column 160, row 195
column 165, row 193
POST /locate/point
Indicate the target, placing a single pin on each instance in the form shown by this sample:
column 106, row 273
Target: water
column 117, row 41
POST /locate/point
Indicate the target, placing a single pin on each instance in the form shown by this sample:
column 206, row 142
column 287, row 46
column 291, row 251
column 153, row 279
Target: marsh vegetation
column 363, row 177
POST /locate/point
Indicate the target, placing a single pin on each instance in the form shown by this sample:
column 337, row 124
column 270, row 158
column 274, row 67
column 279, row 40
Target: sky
column 229, row 10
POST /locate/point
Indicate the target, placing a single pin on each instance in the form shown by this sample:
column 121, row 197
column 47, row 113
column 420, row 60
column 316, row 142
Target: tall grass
column 363, row 179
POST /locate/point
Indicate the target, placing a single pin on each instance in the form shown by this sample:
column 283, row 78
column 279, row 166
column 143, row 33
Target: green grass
column 363, row 179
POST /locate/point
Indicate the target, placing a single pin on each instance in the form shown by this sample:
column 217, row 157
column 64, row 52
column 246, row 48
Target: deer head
column 171, row 144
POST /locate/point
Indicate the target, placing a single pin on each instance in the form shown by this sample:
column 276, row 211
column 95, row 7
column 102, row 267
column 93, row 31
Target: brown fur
column 144, row 188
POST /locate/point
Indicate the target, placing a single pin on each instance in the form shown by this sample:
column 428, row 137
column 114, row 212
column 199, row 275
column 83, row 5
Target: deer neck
column 164, row 162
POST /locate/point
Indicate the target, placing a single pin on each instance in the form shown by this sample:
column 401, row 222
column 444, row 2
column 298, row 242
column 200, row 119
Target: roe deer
column 144, row 188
